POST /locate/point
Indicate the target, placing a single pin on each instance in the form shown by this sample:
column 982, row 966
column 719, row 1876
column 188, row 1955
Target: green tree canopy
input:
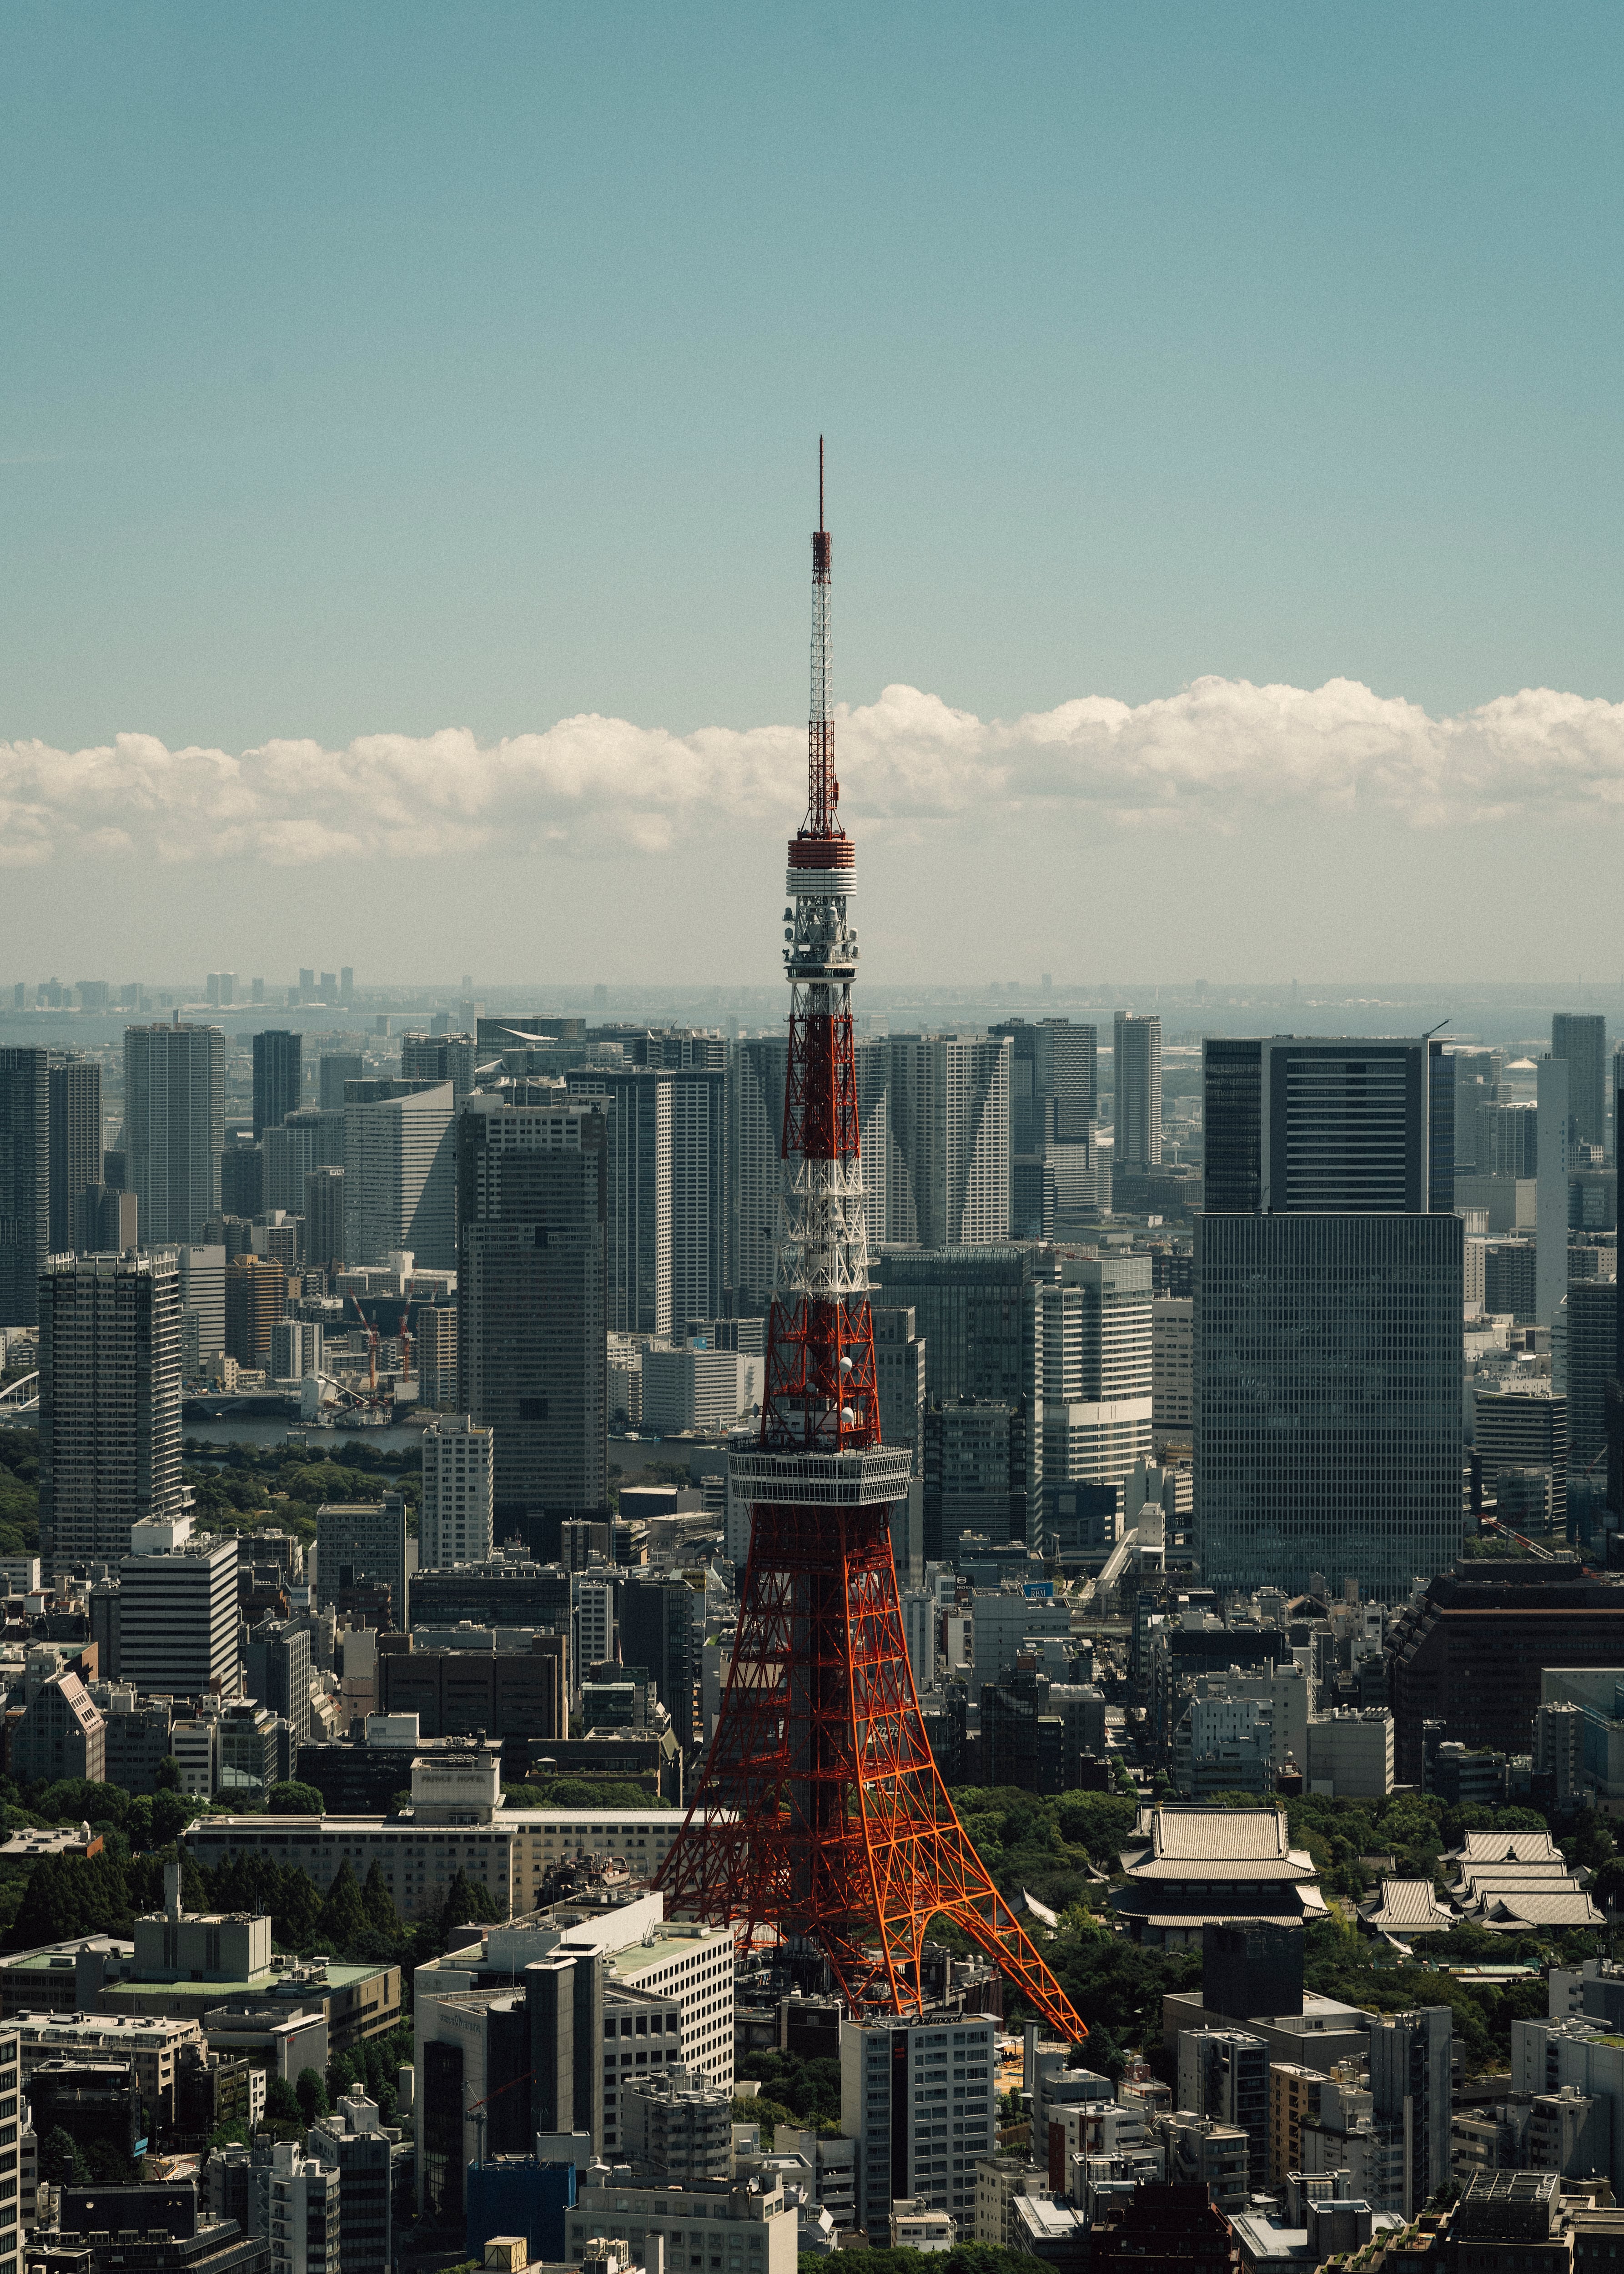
column 292, row 1799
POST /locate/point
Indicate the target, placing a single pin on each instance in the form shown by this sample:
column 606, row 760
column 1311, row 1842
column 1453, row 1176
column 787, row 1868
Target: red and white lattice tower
column 820, row 1813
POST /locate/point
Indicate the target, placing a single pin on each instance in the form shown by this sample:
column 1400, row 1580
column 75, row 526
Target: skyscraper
column 440, row 1057
column 25, row 1182
column 1580, row 1037
column 1137, row 1073
column 636, row 1102
column 324, row 1219
column 756, row 1138
column 173, row 1127
column 1327, row 1317
column 1092, row 1378
column 109, row 1403
column 531, row 1355
column 278, row 1078
column 75, row 1142
column 948, row 1157
column 399, row 1175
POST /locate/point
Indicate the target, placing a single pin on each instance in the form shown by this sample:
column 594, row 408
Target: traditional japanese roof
column 1407, row 1907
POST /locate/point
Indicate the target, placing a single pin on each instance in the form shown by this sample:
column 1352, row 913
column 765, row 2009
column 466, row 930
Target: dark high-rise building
column 105, row 1221
column 531, row 1361
column 25, row 1182
column 1328, row 1428
column 657, row 1633
column 1592, row 1362
column 1054, row 1082
column 636, row 1105
column 324, row 1219
column 276, row 1671
column 174, row 1127
column 1298, row 1124
column 278, row 1078
column 109, row 1403
column 1580, row 1037
column 336, row 1068
column 75, row 1143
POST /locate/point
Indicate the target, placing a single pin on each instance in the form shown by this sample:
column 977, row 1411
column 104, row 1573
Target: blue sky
column 384, row 369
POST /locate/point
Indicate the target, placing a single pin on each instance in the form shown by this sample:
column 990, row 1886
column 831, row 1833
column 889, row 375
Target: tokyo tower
column 821, row 1813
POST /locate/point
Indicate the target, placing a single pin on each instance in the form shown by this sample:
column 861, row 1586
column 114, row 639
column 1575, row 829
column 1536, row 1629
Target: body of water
column 398, row 1438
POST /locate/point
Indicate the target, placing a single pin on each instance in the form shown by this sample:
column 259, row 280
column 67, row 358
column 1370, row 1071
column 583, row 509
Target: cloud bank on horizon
column 1214, row 755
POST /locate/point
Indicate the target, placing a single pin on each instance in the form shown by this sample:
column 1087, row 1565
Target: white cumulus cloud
column 1208, row 756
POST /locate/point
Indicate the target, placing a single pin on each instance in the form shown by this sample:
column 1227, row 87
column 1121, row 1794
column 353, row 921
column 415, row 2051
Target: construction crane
column 512, row 2087
column 405, row 1342
column 371, row 1348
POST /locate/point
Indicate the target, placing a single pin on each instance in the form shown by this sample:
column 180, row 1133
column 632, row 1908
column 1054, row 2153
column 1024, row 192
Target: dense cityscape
column 770, row 1495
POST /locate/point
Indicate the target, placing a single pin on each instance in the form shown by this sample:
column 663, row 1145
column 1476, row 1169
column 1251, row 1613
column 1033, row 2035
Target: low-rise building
column 751, row 2229
column 1350, row 1754
column 1184, row 1860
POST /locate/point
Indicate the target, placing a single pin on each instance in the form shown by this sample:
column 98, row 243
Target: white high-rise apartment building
column 202, row 1306
column 174, row 1127
column 400, row 1178
column 1092, row 1340
column 302, row 2216
column 177, row 1616
column 110, row 1402
column 1137, row 1073
column 458, row 1481
column 947, row 1181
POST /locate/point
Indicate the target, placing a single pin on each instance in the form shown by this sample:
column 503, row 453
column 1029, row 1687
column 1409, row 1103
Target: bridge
column 20, row 1401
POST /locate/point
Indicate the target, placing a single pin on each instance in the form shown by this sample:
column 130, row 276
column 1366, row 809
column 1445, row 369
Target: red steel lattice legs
column 842, row 1831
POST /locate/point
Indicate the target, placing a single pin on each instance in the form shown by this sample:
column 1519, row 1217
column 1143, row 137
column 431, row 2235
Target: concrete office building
column 400, row 1182
column 296, row 1350
column 699, row 1273
column 1094, row 1329
column 25, row 1182
column 437, row 1357
column 324, row 1219
column 256, row 1297
column 1580, row 1038
column 276, row 1671
column 177, row 1614
column 440, row 1057
column 109, row 1403
column 337, row 1069
column 973, row 1308
column 75, row 1085
column 531, row 1349
column 360, row 1544
column 1172, row 1364
column 458, row 1478
column 899, row 1377
column 1137, row 1079
column 1591, row 1352
column 106, row 1221
column 173, row 1127
column 947, row 1171
column 1525, row 1428
column 278, row 1080
column 1328, row 1272
column 920, row 2097
column 202, row 1305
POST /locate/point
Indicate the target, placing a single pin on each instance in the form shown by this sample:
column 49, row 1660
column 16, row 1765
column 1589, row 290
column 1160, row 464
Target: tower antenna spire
column 821, row 1813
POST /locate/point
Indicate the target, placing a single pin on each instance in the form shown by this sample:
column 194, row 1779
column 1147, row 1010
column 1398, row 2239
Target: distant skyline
column 1224, row 433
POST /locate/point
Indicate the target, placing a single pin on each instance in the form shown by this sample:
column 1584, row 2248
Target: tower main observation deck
column 820, row 1813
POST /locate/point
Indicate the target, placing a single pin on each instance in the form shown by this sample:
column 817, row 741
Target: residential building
column 202, row 1306
column 400, row 1178
column 177, row 1611
column 109, row 1403
column 25, row 1182
column 305, row 2222
column 919, row 2096
column 1524, row 1428
column 755, row 1151
column 278, row 1080
column 1223, row 2074
column 1136, row 1061
column 173, row 1127
column 636, row 1201
column 948, row 1159
column 675, row 2127
column 437, row 1356
column 324, row 1219
column 75, row 1146
column 455, row 1522
column 531, row 1318
column 256, row 1297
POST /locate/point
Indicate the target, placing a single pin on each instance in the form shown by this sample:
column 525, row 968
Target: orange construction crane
column 372, row 1347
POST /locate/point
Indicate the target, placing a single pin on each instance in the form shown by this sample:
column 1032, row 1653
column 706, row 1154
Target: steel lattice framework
column 821, row 1814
